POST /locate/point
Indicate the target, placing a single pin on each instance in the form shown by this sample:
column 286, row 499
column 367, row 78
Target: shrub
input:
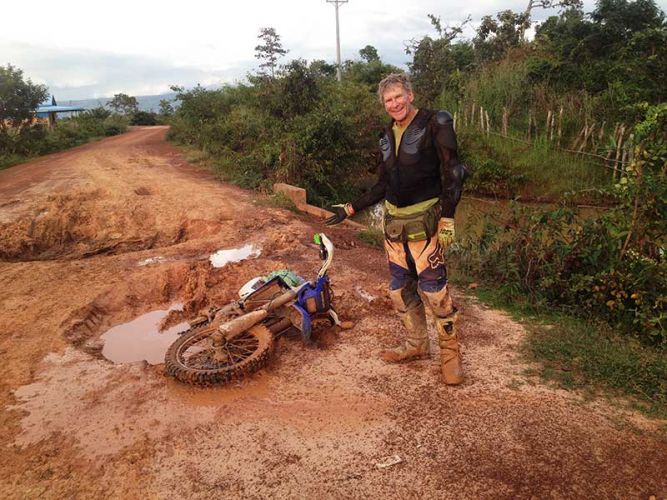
column 611, row 266
column 143, row 118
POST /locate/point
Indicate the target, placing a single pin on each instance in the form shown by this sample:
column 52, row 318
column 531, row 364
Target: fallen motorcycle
column 236, row 340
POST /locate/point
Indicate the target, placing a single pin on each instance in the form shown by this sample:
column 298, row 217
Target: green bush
column 612, row 266
column 143, row 118
column 325, row 142
column 114, row 125
column 19, row 144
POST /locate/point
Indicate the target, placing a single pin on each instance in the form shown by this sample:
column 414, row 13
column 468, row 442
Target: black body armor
column 426, row 166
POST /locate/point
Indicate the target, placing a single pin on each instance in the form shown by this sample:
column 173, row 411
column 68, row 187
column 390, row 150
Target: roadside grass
column 532, row 172
column 278, row 200
column 194, row 155
column 11, row 160
column 589, row 356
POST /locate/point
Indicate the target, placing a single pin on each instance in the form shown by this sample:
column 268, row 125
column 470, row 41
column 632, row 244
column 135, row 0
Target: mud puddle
column 223, row 257
column 140, row 339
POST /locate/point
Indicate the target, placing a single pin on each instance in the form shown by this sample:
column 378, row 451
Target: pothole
column 141, row 338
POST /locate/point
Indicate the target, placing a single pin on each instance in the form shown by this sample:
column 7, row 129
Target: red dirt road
column 99, row 235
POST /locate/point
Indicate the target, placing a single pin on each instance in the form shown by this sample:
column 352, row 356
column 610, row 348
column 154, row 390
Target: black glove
column 339, row 216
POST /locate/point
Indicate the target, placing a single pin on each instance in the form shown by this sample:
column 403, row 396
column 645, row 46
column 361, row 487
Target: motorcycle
column 236, row 340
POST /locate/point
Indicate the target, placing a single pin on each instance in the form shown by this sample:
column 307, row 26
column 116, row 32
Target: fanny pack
column 415, row 227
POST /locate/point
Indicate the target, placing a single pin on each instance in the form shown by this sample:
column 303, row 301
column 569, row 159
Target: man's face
column 397, row 102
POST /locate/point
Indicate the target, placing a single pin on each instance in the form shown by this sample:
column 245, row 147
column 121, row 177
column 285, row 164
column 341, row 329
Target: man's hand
column 446, row 233
column 341, row 212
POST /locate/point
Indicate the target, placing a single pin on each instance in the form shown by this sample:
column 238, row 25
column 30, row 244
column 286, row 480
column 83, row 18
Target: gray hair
column 393, row 79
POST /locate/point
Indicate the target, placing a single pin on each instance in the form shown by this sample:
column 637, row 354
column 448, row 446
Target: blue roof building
column 49, row 109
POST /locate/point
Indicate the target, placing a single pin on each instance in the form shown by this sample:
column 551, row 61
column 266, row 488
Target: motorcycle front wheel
column 194, row 359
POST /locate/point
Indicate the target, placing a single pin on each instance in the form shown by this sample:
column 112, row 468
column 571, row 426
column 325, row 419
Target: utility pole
column 337, row 3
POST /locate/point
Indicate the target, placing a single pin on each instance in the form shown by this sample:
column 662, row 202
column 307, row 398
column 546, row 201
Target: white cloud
column 142, row 47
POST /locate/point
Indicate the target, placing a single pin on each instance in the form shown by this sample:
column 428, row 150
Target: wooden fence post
column 631, row 146
column 505, row 120
column 589, row 132
column 580, row 135
column 530, row 123
column 560, row 125
column 601, row 132
column 548, row 126
column 619, row 145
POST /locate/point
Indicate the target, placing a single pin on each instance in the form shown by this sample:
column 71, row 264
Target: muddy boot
column 450, row 356
column 416, row 345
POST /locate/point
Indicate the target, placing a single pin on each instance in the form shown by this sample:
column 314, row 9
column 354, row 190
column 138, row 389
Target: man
column 421, row 180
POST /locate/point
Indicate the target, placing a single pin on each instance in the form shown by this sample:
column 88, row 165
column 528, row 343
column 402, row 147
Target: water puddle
column 224, row 257
column 140, row 340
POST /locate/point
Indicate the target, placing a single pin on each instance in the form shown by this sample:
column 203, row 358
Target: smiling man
column 421, row 179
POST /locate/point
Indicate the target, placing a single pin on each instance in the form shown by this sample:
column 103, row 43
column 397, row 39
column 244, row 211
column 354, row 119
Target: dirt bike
column 236, row 340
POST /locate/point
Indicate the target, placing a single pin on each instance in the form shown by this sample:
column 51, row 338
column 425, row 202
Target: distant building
column 47, row 111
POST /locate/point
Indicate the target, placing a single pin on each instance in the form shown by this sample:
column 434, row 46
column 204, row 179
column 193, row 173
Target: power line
column 337, row 3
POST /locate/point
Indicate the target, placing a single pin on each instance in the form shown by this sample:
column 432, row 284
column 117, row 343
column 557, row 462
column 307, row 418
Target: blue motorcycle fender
column 305, row 323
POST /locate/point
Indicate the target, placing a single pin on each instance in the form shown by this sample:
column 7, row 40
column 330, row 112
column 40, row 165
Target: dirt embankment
column 97, row 236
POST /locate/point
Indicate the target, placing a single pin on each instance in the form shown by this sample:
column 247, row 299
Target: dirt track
column 99, row 235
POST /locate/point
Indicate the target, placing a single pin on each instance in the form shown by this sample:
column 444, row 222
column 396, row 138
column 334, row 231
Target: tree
column 370, row 70
column 322, row 68
column 270, row 50
column 19, row 98
column 166, row 108
column 435, row 60
column 620, row 49
column 369, row 54
column 123, row 104
column 550, row 4
column 495, row 37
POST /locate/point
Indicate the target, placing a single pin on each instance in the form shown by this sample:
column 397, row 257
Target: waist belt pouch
column 417, row 227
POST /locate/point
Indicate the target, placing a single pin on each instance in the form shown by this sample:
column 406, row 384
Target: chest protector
column 414, row 174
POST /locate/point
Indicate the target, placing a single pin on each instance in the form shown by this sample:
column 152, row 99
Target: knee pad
column 440, row 302
column 405, row 298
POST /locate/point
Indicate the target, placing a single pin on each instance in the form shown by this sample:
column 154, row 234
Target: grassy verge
column 576, row 354
column 278, row 200
column 10, row 161
column 506, row 168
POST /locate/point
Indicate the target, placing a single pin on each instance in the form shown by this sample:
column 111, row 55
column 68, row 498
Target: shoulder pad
column 443, row 117
column 444, row 130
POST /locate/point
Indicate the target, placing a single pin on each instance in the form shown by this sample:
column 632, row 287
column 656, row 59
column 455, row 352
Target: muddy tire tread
column 203, row 377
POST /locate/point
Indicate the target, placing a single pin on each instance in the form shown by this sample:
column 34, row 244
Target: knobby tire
column 248, row 353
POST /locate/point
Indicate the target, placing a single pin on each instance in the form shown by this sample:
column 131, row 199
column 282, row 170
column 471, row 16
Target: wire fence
column 618, row 152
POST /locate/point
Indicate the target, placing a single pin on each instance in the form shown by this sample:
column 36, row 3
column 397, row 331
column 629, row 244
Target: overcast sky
column 141, row 48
